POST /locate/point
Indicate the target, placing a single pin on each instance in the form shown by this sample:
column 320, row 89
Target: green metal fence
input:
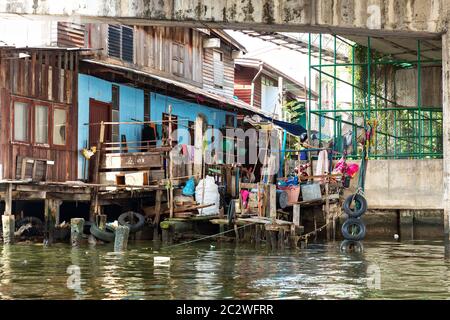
column 401, row 132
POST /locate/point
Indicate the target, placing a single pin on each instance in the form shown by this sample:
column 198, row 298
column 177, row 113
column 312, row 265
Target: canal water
column 384, row 270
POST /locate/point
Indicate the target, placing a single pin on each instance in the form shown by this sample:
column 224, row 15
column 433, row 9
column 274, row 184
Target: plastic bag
column 189, row 188
column 207, row 192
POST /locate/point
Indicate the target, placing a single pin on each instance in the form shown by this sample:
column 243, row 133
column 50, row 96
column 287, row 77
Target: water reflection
column 407, row 270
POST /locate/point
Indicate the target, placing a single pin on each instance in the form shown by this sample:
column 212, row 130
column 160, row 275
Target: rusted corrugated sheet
column 71, row 35
column 243, row 77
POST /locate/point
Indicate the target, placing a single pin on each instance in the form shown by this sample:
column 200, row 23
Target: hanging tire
column 37, row 226
column 360, row 206
column 353, row 229
column 107, row 235
column 351, row 246
column 126, row 218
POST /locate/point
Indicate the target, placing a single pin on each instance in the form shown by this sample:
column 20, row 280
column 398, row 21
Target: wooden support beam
column 198, row 147
column 158, row 215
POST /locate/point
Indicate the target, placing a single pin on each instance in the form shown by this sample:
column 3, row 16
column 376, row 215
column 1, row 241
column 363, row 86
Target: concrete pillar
column 76, row 231
column 8, row 225
column 8, row 219
column 446, row 130
column 121, row 238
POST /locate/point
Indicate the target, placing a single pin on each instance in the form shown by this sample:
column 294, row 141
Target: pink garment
column 184, row 149
column 244, row 195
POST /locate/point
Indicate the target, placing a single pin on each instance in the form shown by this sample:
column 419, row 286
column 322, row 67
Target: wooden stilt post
column 268, row 240
column 236, row 232
column 295, row 225
column 158, row 214
column 170, row 164
column 50, row 214
column 257, row 235
column 281, row 238
column 328, row 218
column 198, row 147
column 273, row 239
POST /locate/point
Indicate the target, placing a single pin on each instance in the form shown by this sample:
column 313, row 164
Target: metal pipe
column 252, row 94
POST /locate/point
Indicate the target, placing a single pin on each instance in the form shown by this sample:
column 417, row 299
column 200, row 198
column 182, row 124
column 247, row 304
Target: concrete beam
column 446, row 130
column 403, row 18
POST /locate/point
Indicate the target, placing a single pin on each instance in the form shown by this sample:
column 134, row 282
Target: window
column 229, row 120
column 178, row 59
column 115, row 104
column 41, row 124
column 146, row 106
column 120, row 42
column 21, row 121
column 191, row 128
column 59, row 126
column 218, row 69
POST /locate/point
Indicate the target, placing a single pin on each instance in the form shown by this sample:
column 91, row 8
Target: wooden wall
column 48, row 77
column 153, row 50
column 243, row 77
column 228, row 71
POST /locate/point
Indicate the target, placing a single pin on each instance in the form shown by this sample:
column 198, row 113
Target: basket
column 293, row 193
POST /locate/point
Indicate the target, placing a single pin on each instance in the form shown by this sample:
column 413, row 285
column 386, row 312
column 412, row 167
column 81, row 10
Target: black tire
column 360, row 206
column 351, row 246
column 35, row 222
column 125, row 218
column 107, row 236
column 87, row 227
column 350, row 232
column 37, row 226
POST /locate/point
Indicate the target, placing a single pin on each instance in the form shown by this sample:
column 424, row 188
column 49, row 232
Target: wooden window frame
column 221, row 54
column 30, row 120
column 179, row 58
column 31, row 104
column 60, row 107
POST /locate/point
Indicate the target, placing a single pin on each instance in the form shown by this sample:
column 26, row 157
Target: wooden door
column 98, row 112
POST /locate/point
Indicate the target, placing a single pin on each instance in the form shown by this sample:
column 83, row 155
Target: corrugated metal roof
column 220, row 99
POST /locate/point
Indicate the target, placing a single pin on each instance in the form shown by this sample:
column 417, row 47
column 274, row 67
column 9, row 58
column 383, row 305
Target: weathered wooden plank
column 131, row 160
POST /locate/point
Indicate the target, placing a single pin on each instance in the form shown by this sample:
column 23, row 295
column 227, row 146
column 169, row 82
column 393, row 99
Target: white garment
column 322, row 163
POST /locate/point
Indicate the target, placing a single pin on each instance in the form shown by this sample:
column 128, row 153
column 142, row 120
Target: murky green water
column 223, row 271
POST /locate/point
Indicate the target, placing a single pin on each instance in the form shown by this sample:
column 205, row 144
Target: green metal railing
column 401, row 132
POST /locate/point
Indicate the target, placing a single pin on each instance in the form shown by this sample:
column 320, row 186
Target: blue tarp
column 292, row 128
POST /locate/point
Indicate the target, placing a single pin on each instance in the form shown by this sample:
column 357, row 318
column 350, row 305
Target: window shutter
column 114, row 41
column 218, row 68
column 120, row 42
column 127, row 44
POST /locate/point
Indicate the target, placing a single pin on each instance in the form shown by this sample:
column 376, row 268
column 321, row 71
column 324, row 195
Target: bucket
column 303, row 155
column 293, row 193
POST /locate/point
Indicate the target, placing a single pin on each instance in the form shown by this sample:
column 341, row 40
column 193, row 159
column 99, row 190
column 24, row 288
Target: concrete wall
column 403, row 184
column 431, row 87
column 330, row 16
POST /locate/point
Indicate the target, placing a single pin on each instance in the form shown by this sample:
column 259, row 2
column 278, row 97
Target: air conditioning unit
column 211, row 43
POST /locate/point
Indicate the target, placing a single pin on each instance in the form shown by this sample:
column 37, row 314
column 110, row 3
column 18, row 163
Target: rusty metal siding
column 71, row 35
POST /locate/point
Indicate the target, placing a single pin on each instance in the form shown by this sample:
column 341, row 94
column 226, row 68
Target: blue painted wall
column 132, row 108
